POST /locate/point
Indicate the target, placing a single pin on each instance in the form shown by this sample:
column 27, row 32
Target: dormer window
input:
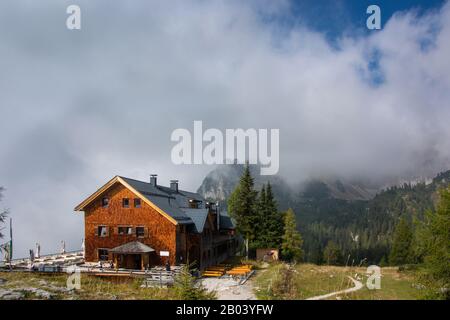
column 193, row 204
column 125, row 202
column 105, row 202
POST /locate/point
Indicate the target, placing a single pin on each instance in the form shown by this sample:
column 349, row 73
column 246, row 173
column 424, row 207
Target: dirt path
column 358, row 285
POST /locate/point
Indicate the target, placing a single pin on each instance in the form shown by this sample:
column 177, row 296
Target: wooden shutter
column 107, row 232
column 96, row 231
column 145, row 232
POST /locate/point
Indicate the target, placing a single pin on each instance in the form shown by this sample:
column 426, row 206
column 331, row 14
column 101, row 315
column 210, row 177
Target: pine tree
column 261, row 216
column 242, row 206
column 186, row 287
column 435, row 239
column 401, row 251
column 274, row 223
column 383, row 262
column 291, row 247
column 332, row 253
column 269, row 223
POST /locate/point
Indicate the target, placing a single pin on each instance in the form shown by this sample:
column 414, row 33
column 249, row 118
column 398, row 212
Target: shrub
column 187, row 288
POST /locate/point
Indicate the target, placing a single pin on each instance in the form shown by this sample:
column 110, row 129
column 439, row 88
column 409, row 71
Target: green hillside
column 362, row 229
column 351, row 215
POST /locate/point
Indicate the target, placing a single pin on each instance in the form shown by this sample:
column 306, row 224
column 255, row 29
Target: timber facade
column 137, row 225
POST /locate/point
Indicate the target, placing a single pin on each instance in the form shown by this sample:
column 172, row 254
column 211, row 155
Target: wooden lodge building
column 139, row 224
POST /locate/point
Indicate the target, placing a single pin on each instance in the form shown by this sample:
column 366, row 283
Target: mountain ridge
column 220, row 182
column 360, row 220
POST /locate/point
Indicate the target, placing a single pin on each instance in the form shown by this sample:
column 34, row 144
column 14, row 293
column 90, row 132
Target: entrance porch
column 132, row 255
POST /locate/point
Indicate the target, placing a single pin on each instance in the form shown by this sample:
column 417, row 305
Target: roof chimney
column 153, row 179
column 174, row 185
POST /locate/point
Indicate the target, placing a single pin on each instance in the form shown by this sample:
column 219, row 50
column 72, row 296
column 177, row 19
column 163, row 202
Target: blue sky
column 337, row 17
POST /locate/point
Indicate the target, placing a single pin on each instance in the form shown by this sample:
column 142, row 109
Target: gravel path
column 229, row 289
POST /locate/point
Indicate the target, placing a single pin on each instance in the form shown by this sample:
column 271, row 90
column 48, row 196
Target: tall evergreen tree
column 435, row 239
column 261, row 216
column 332, row 254
column 274, row 223
column 291, row 247
column 401, row 251
column 242, row 206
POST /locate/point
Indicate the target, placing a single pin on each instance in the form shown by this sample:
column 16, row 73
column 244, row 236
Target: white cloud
column 80, row 107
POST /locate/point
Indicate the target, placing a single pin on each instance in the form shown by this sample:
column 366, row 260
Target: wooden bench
column 241, row 268
column 237, row 272
column 216, row 269
column 212, row 274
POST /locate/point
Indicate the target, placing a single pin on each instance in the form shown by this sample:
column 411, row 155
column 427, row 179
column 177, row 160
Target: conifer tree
column 186, row 287
column 273, row 222
column 242, row 206
column 261, row 217
column 332, row 253
column 401, row 251
column 291, row 247
column 435, row 236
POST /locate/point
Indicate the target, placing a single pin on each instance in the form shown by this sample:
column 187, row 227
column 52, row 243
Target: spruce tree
column 401, row 251
column 242, row 206
column 383, row 262
column 332, row 253
column 274, row 223
column 435, row 239
column 261, row 217
column 291, row 247
column 187, row 288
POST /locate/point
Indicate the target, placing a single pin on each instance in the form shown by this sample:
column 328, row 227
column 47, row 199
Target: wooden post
column 246, row 247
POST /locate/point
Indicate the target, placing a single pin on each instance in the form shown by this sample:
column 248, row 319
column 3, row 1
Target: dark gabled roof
column 169, row 206
column 226, row 222
column 198, row 216
column 132, row 247
column 175, row 205
column 145, row 187
column 170, row 201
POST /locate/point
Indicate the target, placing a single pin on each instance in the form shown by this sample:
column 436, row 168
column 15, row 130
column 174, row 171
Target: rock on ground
column 10, row 295
column 40, row 293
